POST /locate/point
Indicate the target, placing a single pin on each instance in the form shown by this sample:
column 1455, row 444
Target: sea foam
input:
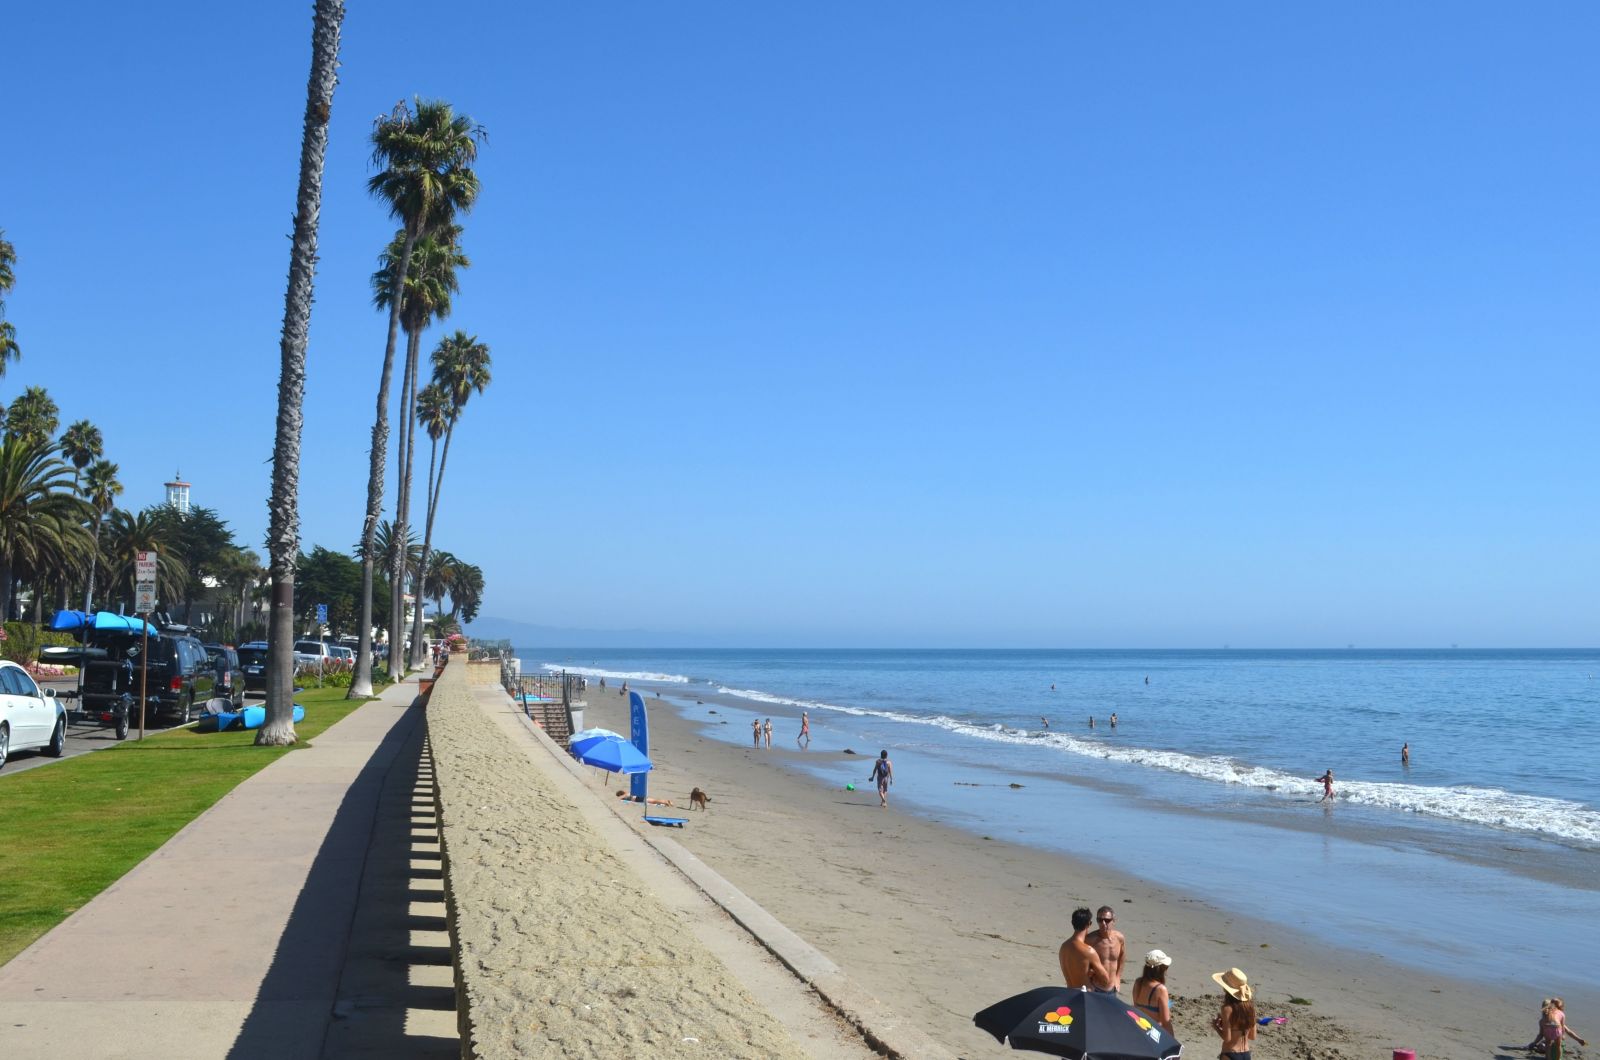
column 625, row 675
column 1491, row 807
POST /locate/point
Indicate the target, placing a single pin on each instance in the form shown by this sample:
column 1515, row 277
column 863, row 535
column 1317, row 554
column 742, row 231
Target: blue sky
column 1030, row 324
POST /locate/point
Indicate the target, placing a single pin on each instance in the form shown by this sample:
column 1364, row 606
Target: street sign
column 322, row 614
column 144, row 598
column 144, row 566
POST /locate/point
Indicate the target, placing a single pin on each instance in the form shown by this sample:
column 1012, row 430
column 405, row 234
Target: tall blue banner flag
column 639, row 734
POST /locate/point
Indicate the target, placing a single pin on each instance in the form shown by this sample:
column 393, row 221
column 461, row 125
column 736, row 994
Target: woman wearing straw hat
column 1150, row 990
column 1236, row 1022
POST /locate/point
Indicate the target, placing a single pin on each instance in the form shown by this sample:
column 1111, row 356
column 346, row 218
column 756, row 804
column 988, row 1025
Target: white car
column 29, row 718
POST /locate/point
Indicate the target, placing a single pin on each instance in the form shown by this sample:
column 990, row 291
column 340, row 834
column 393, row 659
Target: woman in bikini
column 1150, row 990
column 1236, row 1021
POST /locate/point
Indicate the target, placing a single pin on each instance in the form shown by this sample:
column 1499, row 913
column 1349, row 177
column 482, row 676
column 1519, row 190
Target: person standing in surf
column 883, row 773
column 1326, row 780
column 804, row 739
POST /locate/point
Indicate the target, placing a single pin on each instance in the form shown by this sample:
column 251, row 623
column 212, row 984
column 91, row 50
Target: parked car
column 230, row 678
column 313, row 653
column 344, row 658
column 178, row 676
column 29, row 718
column 253, row 660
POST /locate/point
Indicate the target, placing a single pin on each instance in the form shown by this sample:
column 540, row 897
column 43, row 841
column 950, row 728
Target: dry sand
column 941, row 922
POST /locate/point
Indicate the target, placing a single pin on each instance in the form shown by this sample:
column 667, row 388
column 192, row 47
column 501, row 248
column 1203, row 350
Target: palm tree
column 460, row 369
column 442, row 567
column 9, row 350
column 466, row 592
column 33, row 416
column 81, row 443
column 41, row 517
column 237, row 572
column 128, row 534
column 283, row 531
column 430, row 282
column 100, row 489
column 426, row 180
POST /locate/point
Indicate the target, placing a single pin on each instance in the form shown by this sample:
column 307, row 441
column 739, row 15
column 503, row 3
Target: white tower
column 178, row 493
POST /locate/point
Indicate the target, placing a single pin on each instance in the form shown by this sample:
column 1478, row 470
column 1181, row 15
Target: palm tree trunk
column 94, row 563
column 402, row 504
column 411, row 449
column 433, row 501
column 283, row 533
column 361, row 680
column 422, row 563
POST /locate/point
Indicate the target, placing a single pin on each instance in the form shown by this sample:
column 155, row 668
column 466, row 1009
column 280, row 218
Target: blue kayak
column 248, row 718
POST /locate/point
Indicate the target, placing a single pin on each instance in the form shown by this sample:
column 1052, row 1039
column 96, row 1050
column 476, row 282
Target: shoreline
column 883, row 894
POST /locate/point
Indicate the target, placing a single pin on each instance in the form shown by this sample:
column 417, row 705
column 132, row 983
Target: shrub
column 20, row 641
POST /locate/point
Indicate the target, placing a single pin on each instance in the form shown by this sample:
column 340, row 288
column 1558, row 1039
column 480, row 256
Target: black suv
column 179, row 675
column 253, row 657
column 230, row 678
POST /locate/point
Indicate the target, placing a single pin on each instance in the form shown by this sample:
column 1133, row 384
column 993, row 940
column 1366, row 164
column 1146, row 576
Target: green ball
column 849, row 787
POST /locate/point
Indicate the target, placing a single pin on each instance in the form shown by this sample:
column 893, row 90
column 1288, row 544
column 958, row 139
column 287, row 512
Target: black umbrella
column 1071, row 1021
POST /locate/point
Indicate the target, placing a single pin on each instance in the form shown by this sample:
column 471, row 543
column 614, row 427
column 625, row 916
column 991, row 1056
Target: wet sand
column 941, row 922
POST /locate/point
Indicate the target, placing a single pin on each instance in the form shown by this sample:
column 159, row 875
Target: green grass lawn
column 73, row 828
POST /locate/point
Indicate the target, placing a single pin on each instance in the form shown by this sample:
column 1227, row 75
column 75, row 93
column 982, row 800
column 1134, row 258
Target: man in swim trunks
column 1109, row 943
column 1326, row 780
column 1080, row 964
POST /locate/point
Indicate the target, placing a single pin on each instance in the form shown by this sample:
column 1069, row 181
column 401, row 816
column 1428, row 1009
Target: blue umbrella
column 613, row 756
column 589, row 734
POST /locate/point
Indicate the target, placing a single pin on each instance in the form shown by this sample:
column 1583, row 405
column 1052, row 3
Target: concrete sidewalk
column 234, row 939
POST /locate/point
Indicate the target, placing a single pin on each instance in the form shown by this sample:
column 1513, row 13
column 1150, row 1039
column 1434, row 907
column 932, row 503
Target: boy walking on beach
column 1080, row 964
column 1109, row 943
column 804, row 739
column 883, row 773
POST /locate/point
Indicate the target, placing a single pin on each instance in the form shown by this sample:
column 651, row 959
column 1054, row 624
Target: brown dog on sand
column 698, row 799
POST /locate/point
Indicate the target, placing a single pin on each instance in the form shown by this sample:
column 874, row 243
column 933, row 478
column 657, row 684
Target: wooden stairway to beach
column 552, row 718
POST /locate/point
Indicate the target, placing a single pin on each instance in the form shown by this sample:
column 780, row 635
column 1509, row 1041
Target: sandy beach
column 941, row 922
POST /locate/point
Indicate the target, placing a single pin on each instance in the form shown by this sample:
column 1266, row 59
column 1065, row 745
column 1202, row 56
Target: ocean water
column 1496, row 819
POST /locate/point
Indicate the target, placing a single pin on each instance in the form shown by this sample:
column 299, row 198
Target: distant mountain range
column 529, row 635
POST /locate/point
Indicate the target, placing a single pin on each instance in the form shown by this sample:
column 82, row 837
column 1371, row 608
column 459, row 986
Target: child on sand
column 883, row 774
column 1553, row 1030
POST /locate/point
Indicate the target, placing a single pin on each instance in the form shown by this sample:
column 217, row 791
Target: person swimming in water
column 1044, row 721
column 1405, row 754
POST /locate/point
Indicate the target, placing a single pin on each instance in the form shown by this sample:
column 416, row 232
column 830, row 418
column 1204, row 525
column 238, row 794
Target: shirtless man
column 1326, row 780
column 1080, row 964
column 1109, row 944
